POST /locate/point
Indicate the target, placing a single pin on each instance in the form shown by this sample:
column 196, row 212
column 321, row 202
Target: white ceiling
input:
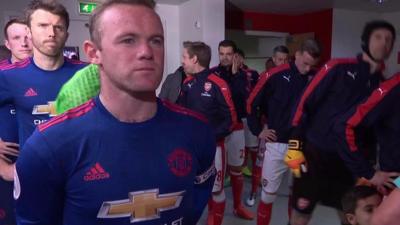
column 301, row 6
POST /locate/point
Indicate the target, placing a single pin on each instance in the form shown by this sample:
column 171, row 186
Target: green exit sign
column 87, row 7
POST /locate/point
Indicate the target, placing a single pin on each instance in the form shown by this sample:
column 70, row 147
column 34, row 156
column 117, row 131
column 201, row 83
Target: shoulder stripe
column 264, row 77
column 70, row 114
column 179, row 109
column 322, row 73
column 363, row 109
column 187, row 79
column 21, row 64
column 223, row 86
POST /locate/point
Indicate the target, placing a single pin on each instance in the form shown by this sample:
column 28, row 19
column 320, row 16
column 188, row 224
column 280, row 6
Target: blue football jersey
column 87, row 167
column 8, row 121
column 32, row 91
column 8, row 133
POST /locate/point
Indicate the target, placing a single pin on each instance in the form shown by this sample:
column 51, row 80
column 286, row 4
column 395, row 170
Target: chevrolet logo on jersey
column 45, row 109
column 141, row 205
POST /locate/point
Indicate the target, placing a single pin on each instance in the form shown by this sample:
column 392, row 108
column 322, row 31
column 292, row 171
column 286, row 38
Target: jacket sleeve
column 165, row 88
column 256, row 104
column 363, row 116
column 312, row 97
column 226, row 107
column 38, row 183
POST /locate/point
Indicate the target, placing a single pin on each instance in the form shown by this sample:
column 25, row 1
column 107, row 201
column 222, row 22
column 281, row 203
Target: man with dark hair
column 49, row 6
column 280, row 55
column 229, row 69
column 32, row 84
column 275, row 94
column 206, row 93
column 359, row 203
column 100, row 163
column 339, row 85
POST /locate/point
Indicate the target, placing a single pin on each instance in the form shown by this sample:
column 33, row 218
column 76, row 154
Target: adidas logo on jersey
column 96, row 173
column 30, row 93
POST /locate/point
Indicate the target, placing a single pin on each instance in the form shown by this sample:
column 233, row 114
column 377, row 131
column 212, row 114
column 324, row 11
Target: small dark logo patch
column 180, row 162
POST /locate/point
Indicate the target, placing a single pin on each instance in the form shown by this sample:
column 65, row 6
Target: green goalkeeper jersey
column 84, row 85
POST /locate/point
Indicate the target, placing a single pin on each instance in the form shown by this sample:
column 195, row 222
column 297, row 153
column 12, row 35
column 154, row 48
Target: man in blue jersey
column 106, row 161
column 20, row 46
column 32, row 84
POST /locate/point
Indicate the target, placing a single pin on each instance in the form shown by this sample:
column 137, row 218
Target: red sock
column 256, row 178
column 264, row 213
column 253, row 155
column 216, row 212
column 237, row 188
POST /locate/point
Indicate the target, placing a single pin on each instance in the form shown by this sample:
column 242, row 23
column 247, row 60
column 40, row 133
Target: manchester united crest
column 180, row 162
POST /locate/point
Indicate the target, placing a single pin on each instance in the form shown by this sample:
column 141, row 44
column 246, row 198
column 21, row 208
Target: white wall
column 346, row 31
column 213, row 12
column 391, row 64
column 203, row 20
column 169, row 15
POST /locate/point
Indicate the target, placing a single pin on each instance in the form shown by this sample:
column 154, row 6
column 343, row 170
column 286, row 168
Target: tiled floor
column 322, row 216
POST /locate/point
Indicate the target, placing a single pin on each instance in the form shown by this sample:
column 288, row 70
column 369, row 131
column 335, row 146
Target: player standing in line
column 276, row 93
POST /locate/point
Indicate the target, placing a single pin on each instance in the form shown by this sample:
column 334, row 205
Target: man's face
column 48, row 33
column 280, row 58
column 225, row 55
column 18, row 42
column 305, row 62
column 363, row 212
column 131, row 51
column 187, row 62
column 381, row 44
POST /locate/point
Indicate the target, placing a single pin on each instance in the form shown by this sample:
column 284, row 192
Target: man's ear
column 195, row 59
column 92, row 52
column 351, row 218
column 7, row 44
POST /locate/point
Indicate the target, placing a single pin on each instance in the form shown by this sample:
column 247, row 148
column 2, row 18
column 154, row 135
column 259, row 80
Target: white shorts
column 250, row 140
column 234, row 144
column 220, row 166
column 273, row 166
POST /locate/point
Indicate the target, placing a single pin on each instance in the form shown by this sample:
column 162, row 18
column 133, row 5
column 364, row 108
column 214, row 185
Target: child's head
column 359, row 203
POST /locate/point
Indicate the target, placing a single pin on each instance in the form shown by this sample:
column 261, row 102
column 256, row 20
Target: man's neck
column 374, row 66
column 198, row 69
column 48, row 63
column 14, row 59
column 128, row 107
